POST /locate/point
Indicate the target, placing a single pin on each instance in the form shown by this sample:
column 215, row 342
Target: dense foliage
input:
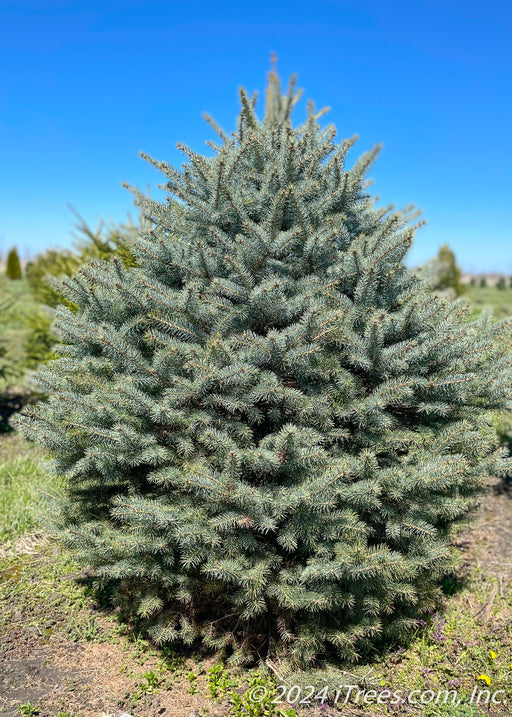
column 269, row 425
column 47, row 268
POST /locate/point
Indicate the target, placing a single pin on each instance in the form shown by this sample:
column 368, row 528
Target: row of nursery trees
column 269, row 426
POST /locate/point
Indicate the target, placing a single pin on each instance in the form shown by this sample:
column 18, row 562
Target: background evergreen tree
column 48, row 265
column 446, row 272
column 106, row 241
column 269, row 425
column 13, row 267
column 443, row 274
column 39, row 338
column 500, row 284
column 103, row 242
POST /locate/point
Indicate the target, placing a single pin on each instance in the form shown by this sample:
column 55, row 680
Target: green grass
column 498, row 301
column 455, row 649
column 23, row 480
column 42, row 587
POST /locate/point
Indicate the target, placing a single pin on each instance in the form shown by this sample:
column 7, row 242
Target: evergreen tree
column 483, row 282
column 39, row 339
column 13, row 267
column 269, row 426
column 500, row 284
column 448, row 273
column 106, row 241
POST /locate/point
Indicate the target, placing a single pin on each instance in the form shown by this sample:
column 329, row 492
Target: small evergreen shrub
column 270, row 426
column 13, row 267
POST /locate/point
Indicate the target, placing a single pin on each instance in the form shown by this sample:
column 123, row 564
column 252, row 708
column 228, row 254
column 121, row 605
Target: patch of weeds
column 149, row 686
column 85, row 629
column 255, row 697
column 140, row 647
column 258, row 700
column 466, row 647
column 28, row 710
column 219, row 681
column 192, row 677
column 171, row 663
column 449, row 710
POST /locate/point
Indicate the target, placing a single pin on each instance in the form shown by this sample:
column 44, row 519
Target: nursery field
column 255, row 437
column 490, row 298
column 65, row 653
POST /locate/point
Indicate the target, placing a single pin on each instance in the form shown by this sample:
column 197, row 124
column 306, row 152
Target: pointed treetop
column 278, row 107
column 273, row 97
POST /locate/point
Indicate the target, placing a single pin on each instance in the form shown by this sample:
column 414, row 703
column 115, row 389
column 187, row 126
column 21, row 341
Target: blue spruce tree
column 269, row 426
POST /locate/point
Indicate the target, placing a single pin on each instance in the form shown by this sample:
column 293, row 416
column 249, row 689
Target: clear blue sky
column 87, row 85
